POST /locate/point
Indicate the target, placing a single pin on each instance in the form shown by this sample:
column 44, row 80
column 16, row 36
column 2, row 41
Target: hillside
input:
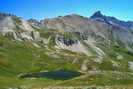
column 95, row 52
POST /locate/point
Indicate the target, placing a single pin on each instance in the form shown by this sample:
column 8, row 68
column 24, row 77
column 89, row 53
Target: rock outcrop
column 71, row 44
column 88, row 32
column 17, row 28
column 97, row 27
column 98, row 16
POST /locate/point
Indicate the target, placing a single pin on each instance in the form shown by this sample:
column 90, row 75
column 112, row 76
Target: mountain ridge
column 98, row 49
column 112, row 20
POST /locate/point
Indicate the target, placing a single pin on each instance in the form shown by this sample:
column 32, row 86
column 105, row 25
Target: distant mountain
column 69, row 23
column 98, row 25
column 35, row 23
column 98, row 16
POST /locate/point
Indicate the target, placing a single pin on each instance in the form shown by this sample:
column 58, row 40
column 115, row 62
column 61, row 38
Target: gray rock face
column 7, row 25
column 67, row 41
column 11, row 23
column 93, row 28
column 26, row 36
column 16, row 27
column 35, row 35
column 71, row 44
column 98, row 28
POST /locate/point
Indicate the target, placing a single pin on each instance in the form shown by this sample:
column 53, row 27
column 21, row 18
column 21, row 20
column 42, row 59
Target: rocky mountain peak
column 97, row 14
column 99, row 17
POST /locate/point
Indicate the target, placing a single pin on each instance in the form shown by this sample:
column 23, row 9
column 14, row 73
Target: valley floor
column 105, row 80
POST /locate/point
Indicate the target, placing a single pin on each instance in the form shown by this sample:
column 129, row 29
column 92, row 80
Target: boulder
column 84, row 67
column 35, row 35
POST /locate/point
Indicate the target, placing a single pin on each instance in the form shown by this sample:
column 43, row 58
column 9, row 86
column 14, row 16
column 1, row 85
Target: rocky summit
column 66, row 51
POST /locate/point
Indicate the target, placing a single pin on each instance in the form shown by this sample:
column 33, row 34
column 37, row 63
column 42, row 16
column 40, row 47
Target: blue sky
column 40, row 9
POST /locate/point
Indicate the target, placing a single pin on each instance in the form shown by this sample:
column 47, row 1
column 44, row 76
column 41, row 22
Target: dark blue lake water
column 56, row 75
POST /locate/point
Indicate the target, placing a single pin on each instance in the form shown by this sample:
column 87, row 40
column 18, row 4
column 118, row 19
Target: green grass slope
column 19, row 58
